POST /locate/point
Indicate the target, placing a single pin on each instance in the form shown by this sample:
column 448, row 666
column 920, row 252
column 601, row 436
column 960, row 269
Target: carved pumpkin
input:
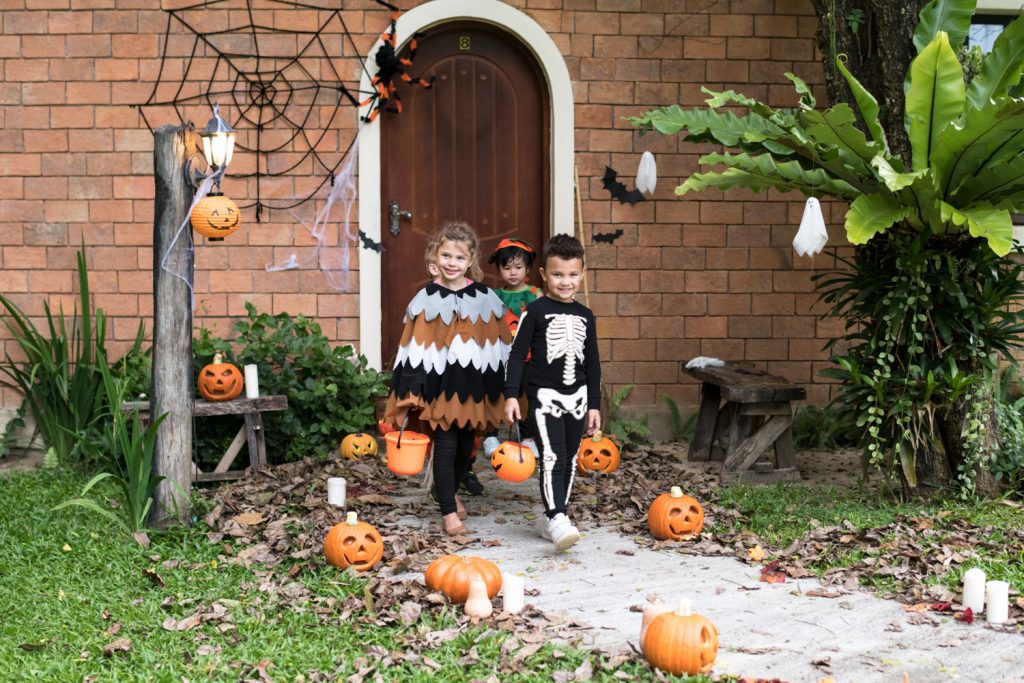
column 353, row 544
column 215, row 217
column 675, row 516
column 598, row 453
column 220, row 381
column 355, row 446
column 681, row 642
column 512, row 461
column 452, row 574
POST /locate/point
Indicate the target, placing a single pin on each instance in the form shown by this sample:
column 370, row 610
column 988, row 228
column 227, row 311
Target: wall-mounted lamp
column 218, row 144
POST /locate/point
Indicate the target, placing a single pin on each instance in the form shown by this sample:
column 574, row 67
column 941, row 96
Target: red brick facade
column 701, row 275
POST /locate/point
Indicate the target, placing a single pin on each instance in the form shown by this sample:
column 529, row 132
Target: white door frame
column 552, row 64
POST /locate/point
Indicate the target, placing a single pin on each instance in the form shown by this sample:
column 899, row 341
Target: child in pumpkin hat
column 563, row 385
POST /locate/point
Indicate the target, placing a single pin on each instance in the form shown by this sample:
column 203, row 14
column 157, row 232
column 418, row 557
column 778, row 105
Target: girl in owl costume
column 562, row 380
column 450, row 367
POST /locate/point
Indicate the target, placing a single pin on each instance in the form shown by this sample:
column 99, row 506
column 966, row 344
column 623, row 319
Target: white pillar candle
column 252, row 382
column 974, row 590
column 997, row 595
column 513, row 593
column 336, row 491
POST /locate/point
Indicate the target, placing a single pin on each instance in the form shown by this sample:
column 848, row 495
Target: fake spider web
column 283, row 89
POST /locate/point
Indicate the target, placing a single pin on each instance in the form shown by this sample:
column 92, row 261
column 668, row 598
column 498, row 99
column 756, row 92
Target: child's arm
column 512, row 413
column 593, row 420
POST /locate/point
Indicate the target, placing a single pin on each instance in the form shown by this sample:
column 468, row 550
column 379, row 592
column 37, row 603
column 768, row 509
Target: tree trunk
column 942, row 469
column 879, row 54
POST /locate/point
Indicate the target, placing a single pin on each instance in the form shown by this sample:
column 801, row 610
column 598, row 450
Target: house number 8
column 463, row 42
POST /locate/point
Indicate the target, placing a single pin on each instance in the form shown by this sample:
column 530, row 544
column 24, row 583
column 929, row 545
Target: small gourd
column 353, row 544
column 681, row 642
column 478, row 604
column 220, row 381
column 598, row 453
column 674, row 516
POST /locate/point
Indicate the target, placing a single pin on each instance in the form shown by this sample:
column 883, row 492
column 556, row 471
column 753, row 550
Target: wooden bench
column 751, row 432
column 251, row 432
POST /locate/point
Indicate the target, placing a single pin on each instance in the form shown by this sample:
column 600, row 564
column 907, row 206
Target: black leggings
column 453, row 449
column 558, row 433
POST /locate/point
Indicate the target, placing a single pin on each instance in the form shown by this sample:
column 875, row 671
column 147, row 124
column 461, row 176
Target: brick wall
column 703, row 275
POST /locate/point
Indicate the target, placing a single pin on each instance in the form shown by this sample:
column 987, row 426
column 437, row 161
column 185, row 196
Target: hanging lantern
column 215, row 217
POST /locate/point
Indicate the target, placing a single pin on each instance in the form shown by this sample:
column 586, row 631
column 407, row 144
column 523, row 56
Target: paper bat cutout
column 368, row 243
column 607, row 237
column 618, row 190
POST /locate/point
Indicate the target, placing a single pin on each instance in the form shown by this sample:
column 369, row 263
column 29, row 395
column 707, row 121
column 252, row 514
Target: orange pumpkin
column 598, row 453
column 681, row 642
column 353, row 544
column 220, row 381
column 355, row 446
column 675, row 516
column 215, row 217
column 512, row 461
column 452, row 574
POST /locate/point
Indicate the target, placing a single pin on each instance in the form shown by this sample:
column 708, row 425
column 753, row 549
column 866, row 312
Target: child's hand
column 593, row 420
column 512, row 413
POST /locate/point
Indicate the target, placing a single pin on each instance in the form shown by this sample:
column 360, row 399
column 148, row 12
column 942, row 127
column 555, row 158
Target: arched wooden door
column 473, row 148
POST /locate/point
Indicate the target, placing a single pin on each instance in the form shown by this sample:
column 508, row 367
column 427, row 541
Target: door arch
column 561, row 121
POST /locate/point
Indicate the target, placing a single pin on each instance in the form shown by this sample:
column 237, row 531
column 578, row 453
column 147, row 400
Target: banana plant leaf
column 935, row 98
column 951, row 16
column 1002, row 67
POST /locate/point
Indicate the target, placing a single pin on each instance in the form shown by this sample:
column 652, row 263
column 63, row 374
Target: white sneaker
column 560, row 531
column 490, row 445
column 532, row 445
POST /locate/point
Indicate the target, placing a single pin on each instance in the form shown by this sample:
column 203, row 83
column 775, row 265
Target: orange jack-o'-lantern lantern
column 675, row 516
column 220, row 381
column 681, row 642
column 452, row 575
column 598, row 453
column 355, row 446
column 215, row 216
column 353, row 544
column 512, row 461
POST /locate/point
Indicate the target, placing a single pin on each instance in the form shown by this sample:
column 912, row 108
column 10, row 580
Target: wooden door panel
column 473, row 148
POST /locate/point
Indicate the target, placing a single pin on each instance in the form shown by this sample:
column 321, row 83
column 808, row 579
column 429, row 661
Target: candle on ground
column 336, row 491
column 974, row 590
column 997, row 595
column 513, row 593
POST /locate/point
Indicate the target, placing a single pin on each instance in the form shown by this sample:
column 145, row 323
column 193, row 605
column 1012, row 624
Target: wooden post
column 171, row 391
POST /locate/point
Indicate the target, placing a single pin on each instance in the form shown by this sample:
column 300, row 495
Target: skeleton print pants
column 557, row 421
column 453, row 449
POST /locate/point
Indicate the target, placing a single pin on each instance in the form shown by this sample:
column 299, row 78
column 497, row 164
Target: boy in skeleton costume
column 562, row 380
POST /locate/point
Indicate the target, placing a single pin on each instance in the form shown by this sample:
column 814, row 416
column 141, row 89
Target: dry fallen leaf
column 755, row 554
column 119, row 645
column 248, row 518
column 154, row 578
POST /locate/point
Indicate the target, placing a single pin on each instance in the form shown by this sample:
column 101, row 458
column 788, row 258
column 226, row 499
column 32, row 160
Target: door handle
column 395, row 215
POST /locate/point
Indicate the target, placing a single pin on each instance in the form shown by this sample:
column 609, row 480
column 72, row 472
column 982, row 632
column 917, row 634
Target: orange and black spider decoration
column 390, row 66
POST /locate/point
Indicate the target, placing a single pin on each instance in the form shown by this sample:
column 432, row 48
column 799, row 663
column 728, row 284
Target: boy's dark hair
column 510, row 249
column 565, row 247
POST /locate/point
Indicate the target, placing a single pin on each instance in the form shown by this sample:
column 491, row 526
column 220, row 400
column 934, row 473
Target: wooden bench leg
column 703, row 435
column 723, row 427
column 257, row 445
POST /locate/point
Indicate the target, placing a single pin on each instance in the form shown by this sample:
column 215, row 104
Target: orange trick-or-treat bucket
column 406, row 451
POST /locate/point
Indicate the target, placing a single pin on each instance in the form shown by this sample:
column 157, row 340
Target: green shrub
column 628, row 432
column 823, row 429
column 331, row 391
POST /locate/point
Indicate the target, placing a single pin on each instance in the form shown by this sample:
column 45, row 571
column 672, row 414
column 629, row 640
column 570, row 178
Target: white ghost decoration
column 812, row 237
column 647, row 174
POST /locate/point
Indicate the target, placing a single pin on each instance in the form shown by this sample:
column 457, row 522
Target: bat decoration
column 607, row 237
column 391, row 66
column 368, row 243
column 618, row 190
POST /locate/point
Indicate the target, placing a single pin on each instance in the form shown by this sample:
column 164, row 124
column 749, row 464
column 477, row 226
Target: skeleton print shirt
column 563, row 343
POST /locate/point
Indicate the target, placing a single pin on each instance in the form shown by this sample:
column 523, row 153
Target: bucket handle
column 401, row 430
column 519, row 443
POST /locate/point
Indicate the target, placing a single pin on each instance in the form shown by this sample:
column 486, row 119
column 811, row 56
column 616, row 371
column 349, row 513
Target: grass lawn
column 71, row 585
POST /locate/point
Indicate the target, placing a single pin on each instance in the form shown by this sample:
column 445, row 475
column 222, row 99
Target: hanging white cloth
column 647, row 174
column 812, row 236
